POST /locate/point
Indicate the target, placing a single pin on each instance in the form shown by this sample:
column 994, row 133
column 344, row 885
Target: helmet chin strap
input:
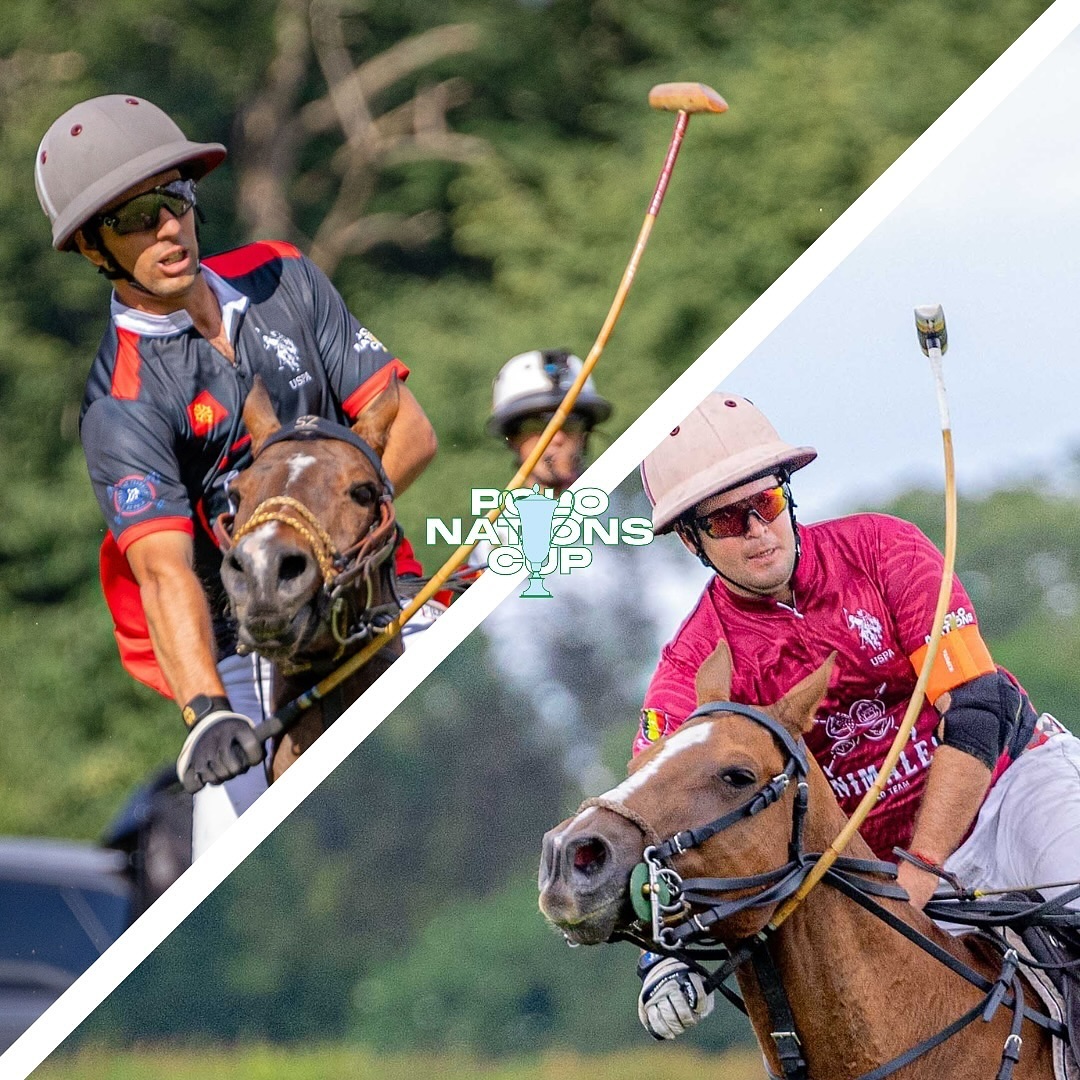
column 689, row 530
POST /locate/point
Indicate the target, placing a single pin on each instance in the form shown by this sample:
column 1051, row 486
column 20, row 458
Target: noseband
column 353, row 618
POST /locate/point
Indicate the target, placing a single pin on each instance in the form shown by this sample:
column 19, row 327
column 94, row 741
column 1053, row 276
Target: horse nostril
column 292, row 566
column 590, row 857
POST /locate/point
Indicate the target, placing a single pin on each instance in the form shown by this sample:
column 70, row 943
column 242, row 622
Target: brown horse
column 860, row 994
column 309, row 555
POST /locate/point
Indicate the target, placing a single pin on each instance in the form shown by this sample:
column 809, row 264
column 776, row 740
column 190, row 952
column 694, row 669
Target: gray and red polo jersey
column 161, row 422
column 866, row 586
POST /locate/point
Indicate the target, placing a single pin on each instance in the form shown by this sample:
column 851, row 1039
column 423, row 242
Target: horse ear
column 259, row 415
column 797, row 708
column 713, row 680
column 373, row 423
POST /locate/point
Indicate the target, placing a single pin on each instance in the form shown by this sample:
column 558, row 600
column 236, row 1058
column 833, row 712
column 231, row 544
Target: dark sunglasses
column 144, row 211
column 734, row 519
column 575, row 424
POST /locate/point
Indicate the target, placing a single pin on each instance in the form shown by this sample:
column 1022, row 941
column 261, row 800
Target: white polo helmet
column 537, row 381
column 101, row 147
column 724, row 443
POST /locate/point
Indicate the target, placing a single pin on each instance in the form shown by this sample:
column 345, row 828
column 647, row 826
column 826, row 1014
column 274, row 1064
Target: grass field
column 278, row 1063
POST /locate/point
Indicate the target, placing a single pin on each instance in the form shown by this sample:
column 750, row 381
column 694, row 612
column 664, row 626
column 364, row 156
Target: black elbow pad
column 987, row 717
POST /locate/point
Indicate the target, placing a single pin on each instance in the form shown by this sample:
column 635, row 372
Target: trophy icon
column 536, row 513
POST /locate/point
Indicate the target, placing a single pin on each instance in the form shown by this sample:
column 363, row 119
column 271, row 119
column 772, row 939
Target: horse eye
column 364, row 494
column 738, row 778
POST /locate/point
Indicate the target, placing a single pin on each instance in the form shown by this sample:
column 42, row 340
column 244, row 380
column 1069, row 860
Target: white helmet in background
column 724, row 443
column 537, row 381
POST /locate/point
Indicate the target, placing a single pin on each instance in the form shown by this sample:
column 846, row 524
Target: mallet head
column 930, row 326
column 689, row 97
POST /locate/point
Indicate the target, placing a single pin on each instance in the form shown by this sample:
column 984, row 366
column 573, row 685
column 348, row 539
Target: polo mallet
column 683, row 98
column 930, row 326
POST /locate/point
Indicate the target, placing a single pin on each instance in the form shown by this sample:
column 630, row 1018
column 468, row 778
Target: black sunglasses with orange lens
column 144, row 211
column 734, row 519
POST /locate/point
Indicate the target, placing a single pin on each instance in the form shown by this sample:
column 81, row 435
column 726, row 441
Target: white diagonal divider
column 759, row 320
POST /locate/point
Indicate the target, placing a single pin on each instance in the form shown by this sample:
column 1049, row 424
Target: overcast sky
column 993, row 235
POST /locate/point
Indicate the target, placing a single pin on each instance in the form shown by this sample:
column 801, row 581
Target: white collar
column 233, row 303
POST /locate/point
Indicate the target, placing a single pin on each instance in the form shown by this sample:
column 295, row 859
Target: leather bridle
column 351, row 578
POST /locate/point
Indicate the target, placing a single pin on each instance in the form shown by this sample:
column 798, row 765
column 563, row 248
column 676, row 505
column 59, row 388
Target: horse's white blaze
column 675, row 745
column 256, row 543
column 297, row 464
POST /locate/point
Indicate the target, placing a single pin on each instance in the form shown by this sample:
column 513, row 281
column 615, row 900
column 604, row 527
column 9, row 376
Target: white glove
column 672, row 998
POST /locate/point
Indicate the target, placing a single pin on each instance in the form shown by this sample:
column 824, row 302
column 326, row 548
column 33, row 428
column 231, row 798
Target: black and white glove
column 672, row 998
column 221, row 744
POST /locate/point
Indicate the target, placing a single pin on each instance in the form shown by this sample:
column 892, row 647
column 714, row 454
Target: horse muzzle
column 265, row 579
column 585, row 875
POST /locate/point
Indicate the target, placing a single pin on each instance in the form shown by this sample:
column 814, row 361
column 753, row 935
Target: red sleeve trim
column 144, row 528
column 129, row 620
column 370, row 389
column 125, row 378
column 250, row 257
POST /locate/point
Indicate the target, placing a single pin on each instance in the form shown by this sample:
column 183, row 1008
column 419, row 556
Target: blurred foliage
column 491, row 976
column 1019, row 559
column 533, row 237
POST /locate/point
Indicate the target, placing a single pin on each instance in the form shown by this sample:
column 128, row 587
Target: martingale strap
column 781, row 1021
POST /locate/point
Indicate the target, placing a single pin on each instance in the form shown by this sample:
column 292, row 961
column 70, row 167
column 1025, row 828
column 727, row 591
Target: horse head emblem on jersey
column 868, row 627
column 287, row 353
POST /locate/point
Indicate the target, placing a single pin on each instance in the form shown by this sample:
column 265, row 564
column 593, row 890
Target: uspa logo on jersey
column 540, row 533
column 134, row 494
column 288, row 355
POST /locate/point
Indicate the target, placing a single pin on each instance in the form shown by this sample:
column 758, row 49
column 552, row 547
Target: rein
column 682, row 913
column 350, row 577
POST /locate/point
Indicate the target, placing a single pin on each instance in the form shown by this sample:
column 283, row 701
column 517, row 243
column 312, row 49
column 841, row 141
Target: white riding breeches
column 1027, row 832
column 217, row 806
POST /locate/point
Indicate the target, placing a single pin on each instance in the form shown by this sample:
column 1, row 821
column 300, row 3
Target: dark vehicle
column 63, row 902
column 61, row 905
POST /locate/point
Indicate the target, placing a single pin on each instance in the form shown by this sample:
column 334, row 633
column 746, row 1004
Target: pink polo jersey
column 866, row 587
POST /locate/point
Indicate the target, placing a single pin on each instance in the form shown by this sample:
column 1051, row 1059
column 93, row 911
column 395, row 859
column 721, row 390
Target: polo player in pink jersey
column 985, row 787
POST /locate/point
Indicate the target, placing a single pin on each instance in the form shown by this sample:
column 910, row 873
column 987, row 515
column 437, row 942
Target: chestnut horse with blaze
column 860, row 993
column 309, row 556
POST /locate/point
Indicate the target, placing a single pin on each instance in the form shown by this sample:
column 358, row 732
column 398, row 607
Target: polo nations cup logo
column 536, row 515
column 540, row 533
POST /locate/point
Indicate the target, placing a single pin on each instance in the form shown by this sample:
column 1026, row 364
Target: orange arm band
column 962, row 656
